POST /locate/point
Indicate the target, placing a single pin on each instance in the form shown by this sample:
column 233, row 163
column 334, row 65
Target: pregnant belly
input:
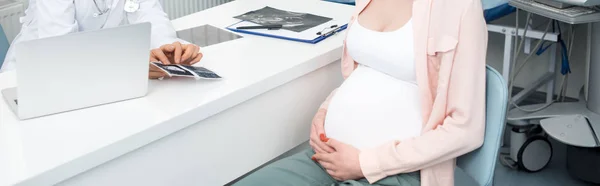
column 372, row 108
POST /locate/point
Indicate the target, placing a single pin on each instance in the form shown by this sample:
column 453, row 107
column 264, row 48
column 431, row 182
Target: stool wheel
column 535, row 154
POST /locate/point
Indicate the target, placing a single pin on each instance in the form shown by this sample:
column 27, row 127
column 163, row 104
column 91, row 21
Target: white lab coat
column 46, row 18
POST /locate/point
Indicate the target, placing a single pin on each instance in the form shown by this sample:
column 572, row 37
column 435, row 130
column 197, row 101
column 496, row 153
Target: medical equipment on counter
column 576, row 124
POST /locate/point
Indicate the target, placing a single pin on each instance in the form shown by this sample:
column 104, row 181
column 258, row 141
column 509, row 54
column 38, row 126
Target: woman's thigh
column 298, row 169
column 408, row 179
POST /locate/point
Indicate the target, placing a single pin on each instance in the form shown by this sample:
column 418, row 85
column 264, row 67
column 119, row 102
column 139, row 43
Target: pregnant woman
column 412, row 102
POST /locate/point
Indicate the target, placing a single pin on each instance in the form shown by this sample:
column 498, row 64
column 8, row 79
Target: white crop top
column 379, row 102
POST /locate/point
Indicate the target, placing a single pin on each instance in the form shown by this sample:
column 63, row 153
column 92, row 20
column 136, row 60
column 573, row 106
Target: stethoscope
column 130, row 7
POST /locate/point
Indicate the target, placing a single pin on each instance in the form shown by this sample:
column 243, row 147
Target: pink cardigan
column 450, row 49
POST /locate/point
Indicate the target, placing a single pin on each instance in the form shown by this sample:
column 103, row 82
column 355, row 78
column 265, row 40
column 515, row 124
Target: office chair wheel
column 535, row 154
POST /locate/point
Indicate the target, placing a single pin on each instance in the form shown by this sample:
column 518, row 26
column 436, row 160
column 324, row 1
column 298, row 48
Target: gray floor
column 553, row 175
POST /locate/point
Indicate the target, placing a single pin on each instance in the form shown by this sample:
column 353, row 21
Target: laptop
column 80, row 70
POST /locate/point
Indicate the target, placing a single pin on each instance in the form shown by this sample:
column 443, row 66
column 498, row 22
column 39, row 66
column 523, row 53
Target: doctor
column 47, row 18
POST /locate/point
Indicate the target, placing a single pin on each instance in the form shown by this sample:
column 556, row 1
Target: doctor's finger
column 191, row 60
column 188, row 53
column 196, row 59
column 196, row 51
column 152, row 58
column 168, row 48
column 178, row 51
column 155, row 73
column 158, row 54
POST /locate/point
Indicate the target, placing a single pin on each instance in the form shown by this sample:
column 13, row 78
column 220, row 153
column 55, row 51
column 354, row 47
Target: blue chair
column 477, row 168
column 4, row 45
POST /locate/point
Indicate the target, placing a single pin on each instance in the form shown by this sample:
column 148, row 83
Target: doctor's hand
column 156, row 73
column 343, row 164
column 176, row 53
column 317, row 133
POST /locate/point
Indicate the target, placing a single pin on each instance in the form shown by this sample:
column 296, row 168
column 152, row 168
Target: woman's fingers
column 325, row 157
column 328, row 166
column 313, row 141
column 316, row 148
column 319, row 142
column 316, row 140
column 318, row 123
column 332, row 174
column 325, row 147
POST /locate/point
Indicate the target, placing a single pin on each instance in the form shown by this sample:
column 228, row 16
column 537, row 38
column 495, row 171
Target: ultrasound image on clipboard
column 293, row 21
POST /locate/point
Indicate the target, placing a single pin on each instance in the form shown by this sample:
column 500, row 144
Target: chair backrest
column 3, row 46
column 481, row 163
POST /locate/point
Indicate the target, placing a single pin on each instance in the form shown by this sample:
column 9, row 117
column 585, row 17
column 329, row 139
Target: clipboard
column 312, row 36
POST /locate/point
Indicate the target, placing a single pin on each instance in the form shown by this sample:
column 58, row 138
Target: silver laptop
column 80, row 70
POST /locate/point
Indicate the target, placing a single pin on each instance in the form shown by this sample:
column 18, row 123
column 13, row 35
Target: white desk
column 261, row 109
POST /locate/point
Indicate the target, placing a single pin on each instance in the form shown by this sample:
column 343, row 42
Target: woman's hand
column 317, row 133
column 176, row 53
column 343, row 164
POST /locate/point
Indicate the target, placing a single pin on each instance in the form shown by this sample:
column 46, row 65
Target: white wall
column 539, row 64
